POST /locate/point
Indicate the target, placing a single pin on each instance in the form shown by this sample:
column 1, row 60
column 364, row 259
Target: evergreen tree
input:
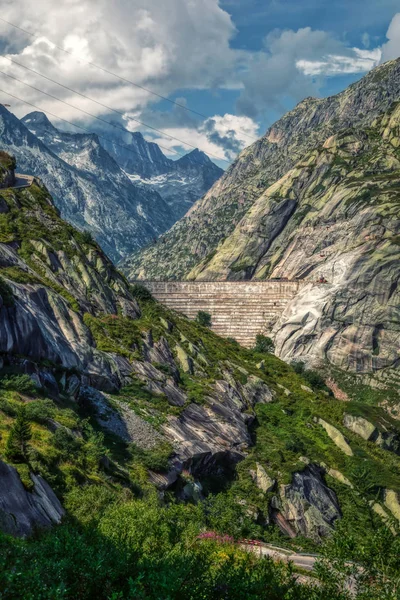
column 20, row 434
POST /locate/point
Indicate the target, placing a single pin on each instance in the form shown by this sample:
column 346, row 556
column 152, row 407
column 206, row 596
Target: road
column 303, row 561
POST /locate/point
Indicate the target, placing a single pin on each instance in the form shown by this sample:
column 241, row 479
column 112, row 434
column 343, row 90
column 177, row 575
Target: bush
column 86, row 237
column 6, row 293
column 264, row 344
column 22, row 384
column 140, row 292
column 297, row 366
column 40, row 411
column 155, row 459
column 65, row 442
column 203, row 318
column 19, row 436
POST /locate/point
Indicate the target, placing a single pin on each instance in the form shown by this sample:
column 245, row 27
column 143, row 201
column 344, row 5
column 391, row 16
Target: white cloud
column 360, row 62
column 169, row 45
column 220, row 136
column 157, row 44
column 391, row 49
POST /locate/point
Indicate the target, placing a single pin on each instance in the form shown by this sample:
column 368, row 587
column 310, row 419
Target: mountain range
column 316, row 199
column 123, row 211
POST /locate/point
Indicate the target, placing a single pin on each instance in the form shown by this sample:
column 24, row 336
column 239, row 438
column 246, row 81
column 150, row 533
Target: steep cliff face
column 333, row 219
column 307, row 126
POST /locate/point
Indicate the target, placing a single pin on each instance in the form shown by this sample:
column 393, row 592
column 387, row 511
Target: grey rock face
column 307, row 505
column 22, row 511
column 179, row 182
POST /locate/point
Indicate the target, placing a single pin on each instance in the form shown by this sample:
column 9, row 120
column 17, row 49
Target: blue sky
column 240, row 63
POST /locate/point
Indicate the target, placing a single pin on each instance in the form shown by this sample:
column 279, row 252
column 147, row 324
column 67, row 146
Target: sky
column 232, row 67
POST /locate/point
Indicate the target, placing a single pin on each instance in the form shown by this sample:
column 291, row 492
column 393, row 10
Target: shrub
column 65, row 442
column 18, row 383
column 19, row 436
column 297, row 366
column 203, row 318
column 264, row 344
column 86, row 237
column 40, row 410
column 140, row 292
column 6, row 293
column 155, row 459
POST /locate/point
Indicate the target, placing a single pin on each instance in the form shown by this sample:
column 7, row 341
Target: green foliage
column 22, row 384
column 140, row 292
column 264, row 344
column 66, row 443
column 7, row 160
column 19, row 275
column 86, row 237
column 19, row 436
column 155, row 459
column 40, row 411
column 203, row 318
column 370, row 559
column 94, row 448
column 6, row 293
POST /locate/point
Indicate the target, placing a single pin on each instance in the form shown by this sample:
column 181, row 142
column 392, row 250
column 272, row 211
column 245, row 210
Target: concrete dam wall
column 238, row 309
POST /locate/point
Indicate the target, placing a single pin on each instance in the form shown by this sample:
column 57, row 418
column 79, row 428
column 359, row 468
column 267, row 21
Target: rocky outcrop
column 361, row 427
column 307, row 506
column 262, row 479
column 341, row 240
column 22, row 511
column 392, row 502
column 337, row 437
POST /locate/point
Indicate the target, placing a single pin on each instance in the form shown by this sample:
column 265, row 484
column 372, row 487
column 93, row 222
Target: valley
column 203, row 404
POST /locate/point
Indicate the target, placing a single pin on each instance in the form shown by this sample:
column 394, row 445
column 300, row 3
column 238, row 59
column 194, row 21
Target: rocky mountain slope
column 88, row 186
column 125, row 394
column 179, row 182
column 334, row 218
column 123, row 212
column 308, row 125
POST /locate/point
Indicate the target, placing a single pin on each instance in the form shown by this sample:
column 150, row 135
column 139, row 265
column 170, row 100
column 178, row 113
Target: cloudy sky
column 237, row 64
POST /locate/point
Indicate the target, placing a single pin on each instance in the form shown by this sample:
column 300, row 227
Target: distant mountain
column 180, row 182
column 88, row 187
column 125, row 204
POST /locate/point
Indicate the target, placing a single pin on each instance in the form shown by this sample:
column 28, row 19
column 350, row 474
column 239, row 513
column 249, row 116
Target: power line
column 84, row 128
column 141, row 87
column 110, row 108
column 115, row 125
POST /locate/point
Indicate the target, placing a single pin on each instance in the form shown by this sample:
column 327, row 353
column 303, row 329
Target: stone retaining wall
column 239, row 309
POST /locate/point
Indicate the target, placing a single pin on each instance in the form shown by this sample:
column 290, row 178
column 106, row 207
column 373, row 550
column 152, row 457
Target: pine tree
column 20, row 434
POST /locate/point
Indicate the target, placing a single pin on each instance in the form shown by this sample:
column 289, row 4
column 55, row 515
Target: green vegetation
column 203, row 318
column 18, row 438
column 124, row 548
column 264, row 344
column 7, row 161
column 6, row 293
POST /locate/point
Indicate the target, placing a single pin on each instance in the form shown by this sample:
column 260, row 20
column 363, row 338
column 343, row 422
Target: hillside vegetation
column 138, row 430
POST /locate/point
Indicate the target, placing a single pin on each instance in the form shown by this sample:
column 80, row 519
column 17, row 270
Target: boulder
column 21, row 512
column 337, row 437
column 184, row 359
column 308, row 505
column 262, row 479
column 392, row 503
column 361, row 427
